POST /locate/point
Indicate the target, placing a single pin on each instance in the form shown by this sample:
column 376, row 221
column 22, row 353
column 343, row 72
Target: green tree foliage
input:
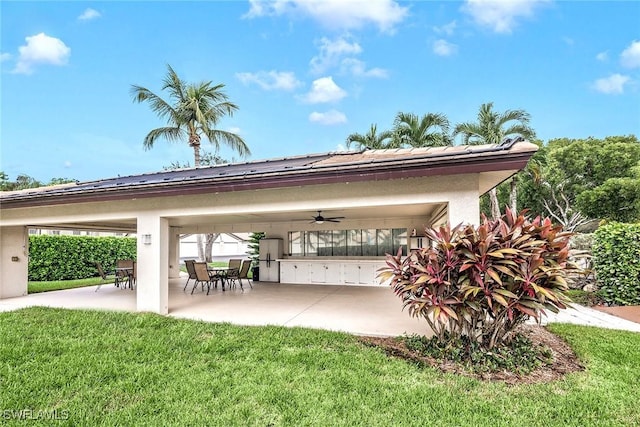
column 598, row 178
column 430, row 130
column 254, row 246
column 409, row 130
column 23, row 182
column 194, row 110
column 372, row 139
column 616, row 258
column 493, row 127
column 617, row 199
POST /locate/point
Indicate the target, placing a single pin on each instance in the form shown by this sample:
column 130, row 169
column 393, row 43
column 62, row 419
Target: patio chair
column 125, row 273
column 241, row 273
column 234, row 264
column 102, row 274
column 202, row 276
column 192, row 273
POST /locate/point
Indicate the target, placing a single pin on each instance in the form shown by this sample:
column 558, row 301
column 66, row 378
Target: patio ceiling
column 256, row 221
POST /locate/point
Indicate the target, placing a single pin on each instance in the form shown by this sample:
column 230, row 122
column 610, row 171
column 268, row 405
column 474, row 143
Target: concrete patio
column 361, row 310
column 356, row 309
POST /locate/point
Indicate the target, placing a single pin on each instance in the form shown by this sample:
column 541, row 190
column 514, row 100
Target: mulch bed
column 564, row 359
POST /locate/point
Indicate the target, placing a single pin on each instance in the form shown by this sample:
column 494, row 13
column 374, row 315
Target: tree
column 194, row 110
column 430, row 130
column 493, row 127
column 23, row 182
column 371, row 139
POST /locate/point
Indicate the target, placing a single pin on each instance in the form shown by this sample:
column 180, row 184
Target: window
column 355, row 242
column 296, row 244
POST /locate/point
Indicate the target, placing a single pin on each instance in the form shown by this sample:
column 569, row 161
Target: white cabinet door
column 351, row 273
column 318, row 272
column 287, row 273
column 333, row 273
column 360, row 274
column 294, row 272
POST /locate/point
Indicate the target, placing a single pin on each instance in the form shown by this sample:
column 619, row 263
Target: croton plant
column 484, row 281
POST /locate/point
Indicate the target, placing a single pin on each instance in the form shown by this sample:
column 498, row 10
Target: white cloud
column 68, row 164
column 324, row 90
column 5, row 57
column 447, row 29
column 331, row 117
column 41, row 49
column 444, row 48
column 330, row 53
column 271, row 80
column 614, row 84
column 89, row 14
column 602, row 56
column 358, row 68
column 235, row 129
column 341, row 52
column 500, row 16
column 335, row 14
column 630, row 57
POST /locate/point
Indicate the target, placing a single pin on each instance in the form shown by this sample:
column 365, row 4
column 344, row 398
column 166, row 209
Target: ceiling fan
column 319, row 219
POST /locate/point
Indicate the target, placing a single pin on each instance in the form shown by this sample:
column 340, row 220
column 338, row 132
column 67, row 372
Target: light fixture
column 146, row 239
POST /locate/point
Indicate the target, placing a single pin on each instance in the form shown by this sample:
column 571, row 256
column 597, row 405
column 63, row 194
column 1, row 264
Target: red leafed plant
column 482, row 282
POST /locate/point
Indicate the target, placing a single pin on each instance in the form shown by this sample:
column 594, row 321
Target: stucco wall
column 14, row 261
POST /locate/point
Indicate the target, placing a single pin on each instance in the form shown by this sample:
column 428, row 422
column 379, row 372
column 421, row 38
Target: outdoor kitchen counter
column 354, row 271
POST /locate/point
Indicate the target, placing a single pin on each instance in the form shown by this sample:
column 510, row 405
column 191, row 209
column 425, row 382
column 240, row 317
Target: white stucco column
column 174, row 253
column 153, row 264
column 14, row 261
column 464, row 207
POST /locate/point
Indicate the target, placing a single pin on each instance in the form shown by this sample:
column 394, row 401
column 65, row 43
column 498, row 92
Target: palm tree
column 371, row 139
column 194, row 110
column 430, row 130
column 492, row 128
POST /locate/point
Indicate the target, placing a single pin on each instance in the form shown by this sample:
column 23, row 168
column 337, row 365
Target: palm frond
column 230, row 139
column 171, row 134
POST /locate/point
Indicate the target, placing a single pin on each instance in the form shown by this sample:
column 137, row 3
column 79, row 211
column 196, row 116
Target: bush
column 73, row 257
column 616, row 258
column 483, row 282
column 521, row 357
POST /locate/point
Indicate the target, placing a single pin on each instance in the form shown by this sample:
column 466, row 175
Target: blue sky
column 305, row 74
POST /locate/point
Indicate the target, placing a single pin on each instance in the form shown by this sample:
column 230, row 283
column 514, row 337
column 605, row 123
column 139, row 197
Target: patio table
column 221, row 273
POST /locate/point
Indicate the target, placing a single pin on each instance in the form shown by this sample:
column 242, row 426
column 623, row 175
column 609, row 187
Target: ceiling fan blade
column 331, row 220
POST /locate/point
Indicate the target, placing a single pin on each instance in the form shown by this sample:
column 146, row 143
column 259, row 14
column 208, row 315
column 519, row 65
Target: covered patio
column 398, row 190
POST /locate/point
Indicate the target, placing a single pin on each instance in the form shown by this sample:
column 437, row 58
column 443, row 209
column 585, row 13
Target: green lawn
column 35, row 287
column 103, row 368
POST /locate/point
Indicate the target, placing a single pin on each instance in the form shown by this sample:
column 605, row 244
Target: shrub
column 483, row 282
column 54, row 257
column 616, row 258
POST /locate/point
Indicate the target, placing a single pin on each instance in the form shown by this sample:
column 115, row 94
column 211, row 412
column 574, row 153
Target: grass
column 103, row 368
column 57, row 285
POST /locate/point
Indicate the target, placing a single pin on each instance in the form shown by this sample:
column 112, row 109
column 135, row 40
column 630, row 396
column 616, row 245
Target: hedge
column 616, row 257
column 54, row 257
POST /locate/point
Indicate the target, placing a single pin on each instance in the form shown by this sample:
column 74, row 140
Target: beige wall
column 14, row 261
